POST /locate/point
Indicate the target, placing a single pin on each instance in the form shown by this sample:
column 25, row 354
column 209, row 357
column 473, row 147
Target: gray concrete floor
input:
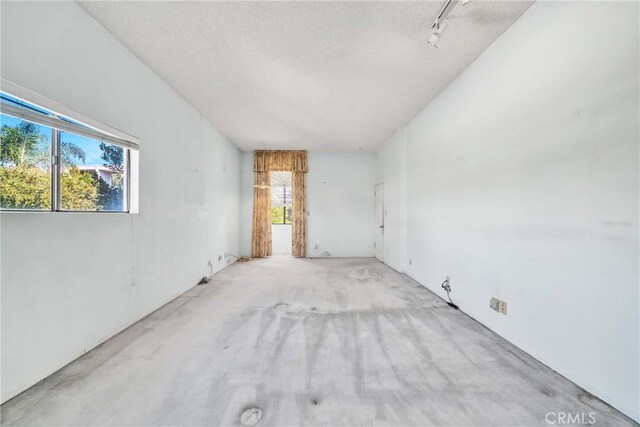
column 309, row 342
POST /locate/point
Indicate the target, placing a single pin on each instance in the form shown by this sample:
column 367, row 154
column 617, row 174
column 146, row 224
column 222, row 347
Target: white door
column 380, row 222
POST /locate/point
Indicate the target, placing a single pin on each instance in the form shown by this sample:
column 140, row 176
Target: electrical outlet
column 410, row 261
column 219, row 257
column 496, row 305
column 503, row 308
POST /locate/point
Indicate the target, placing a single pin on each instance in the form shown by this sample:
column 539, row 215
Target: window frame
column 79, row 125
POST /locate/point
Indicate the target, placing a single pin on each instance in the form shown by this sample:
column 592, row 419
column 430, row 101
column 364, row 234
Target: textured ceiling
column 337, row 76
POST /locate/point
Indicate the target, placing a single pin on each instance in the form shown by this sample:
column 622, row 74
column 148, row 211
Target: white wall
column 522, row 183
column 69, row 280
column 388, row 170
column 281, row 239
column 341, row 204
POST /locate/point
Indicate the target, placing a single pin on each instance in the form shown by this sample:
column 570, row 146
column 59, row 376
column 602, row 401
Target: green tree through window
column 281, row 198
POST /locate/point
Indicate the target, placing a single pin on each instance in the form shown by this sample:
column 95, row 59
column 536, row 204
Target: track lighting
column 437, row 32
column 440, row 27
column 433, row 40
column 438, row 24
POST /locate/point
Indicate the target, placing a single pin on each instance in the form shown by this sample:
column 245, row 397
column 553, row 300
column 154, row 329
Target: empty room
column 320, row 213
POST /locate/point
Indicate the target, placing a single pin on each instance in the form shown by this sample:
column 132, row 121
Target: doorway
column 380, row 221
column 281, row 213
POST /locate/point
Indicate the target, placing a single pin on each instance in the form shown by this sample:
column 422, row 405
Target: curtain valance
column 280, row 160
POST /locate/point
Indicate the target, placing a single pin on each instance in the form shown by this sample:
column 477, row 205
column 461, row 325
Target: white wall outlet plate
column 503, row 307
column 494, row 304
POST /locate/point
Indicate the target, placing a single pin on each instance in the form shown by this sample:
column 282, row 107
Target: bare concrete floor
column 309, row 342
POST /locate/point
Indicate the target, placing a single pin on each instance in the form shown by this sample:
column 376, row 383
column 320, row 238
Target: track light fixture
column 433, row 40
column 437, row 32
column 439, row 25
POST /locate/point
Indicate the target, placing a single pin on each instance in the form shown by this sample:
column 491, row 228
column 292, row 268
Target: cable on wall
column 447, row 287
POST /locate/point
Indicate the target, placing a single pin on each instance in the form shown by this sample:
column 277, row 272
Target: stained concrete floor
column 309, row 342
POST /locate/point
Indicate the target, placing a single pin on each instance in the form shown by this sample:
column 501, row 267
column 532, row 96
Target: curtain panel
column 299, row 227
column 261, row 234
column 266, row 161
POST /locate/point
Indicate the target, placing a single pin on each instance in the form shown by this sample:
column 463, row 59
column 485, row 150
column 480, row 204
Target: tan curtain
column 281, row 160
column 261, row 235
column 299, row 228
column 266, row 161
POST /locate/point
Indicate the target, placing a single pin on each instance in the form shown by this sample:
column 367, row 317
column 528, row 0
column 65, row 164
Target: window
column 281, row 198
column 51, row 162
column 25, row 165
column 92, row 174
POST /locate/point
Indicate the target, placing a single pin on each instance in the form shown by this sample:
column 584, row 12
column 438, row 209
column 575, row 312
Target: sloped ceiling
column 330, row 76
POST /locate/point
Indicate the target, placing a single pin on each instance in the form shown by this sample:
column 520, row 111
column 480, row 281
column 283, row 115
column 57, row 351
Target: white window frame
column 91, row 128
